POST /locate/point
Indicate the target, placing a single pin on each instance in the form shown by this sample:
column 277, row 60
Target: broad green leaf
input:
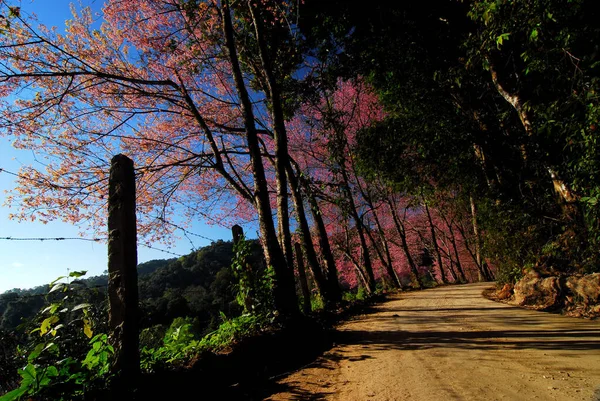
column 78, row 273
column 500, row 39
column 58, row 286
column 80, row 306
column 52, row 308
column 35, row 352
column 29, row 375
column 45, row 326
column 56, row 280
column 15, row 394
column 87, row 328
column 46, row 378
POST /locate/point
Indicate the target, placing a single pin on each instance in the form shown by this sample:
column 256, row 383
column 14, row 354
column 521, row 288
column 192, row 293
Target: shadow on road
column 516, row 339
column 423, row 321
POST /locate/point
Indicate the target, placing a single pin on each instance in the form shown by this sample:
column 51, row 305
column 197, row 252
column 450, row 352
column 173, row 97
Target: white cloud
column 17, row 264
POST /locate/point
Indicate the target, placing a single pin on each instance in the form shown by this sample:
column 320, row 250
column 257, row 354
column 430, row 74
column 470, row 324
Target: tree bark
column 306, row 306
column 368, row 266
column 385, row 257
column 561, row 187
column 436, row 248
column 281, row 146
column 482, row 275
column 402, row 233
column 455, row 248
column 332, row 273
column 284, row 289
column 328, row 290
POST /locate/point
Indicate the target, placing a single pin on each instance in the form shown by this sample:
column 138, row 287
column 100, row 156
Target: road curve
column 450, row 343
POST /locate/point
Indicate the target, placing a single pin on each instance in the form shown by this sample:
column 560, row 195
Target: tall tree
column 161, row 82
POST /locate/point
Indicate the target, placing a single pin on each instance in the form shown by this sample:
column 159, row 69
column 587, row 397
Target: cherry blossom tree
column 165, row 82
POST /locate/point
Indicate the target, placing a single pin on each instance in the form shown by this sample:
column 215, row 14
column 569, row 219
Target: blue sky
column 24, row 264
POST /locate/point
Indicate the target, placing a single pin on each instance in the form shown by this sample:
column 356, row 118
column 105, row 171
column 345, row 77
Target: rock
column 585, row 288
column 538, row 292
column 506, row 292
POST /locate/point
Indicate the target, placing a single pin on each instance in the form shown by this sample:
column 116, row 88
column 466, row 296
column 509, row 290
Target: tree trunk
column 361, row 235
column 328, row 290
column 455, row 248
column 385, row 258
column 436, row 248
column 482, row 276
column 281, row 146
column 561, row 187
column 402, row 233
column 332, row 274
column 388, row 257
column 359, row 272
column 284, row 289
column 384, row 253
column 306, row 306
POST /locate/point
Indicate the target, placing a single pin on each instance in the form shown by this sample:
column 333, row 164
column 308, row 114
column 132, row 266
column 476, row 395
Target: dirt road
column 452, row 344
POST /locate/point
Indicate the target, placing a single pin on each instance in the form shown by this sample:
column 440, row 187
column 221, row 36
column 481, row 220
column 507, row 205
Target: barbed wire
column 52, row 239
column 186, row 231
column 81, row 239
column 160, row 250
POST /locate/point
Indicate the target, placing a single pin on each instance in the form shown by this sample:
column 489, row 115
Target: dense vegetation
column 197, row 292
column 397, row 145
column 496, row 101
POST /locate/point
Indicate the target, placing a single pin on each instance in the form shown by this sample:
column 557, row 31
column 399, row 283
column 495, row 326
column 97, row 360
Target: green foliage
column 254, row 283
column 57, row 367
column 253, row 292
column 200, row 284
column 451, row 126
column 316, row 303
column 243, row 272
column 233, row 330
column 180, row 342
column 352, row 296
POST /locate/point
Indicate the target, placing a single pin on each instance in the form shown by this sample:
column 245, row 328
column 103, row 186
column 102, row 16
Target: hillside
column 198, row 284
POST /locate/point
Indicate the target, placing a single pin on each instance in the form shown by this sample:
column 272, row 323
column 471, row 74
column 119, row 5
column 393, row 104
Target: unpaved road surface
column 450, row 343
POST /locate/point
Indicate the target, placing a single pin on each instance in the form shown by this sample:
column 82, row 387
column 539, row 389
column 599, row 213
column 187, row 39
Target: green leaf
column 78, row 273
column 51, row 346
column 52, row 308
column 500, row 39
column 87, row 328
column 45, row 326
column 81, row 306
column 533, row 36
column 56, row 280
column 57, row 287
column 15, row 394
column 35, row 352
column 29, row 375
column 46, row 378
